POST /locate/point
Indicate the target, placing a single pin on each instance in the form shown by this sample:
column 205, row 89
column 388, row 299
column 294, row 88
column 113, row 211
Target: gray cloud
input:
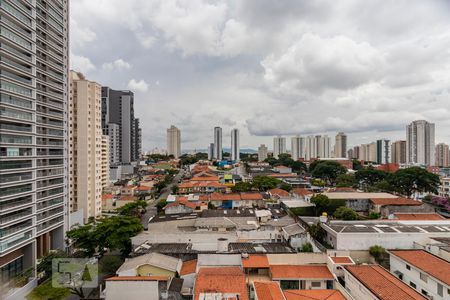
column 270, row 67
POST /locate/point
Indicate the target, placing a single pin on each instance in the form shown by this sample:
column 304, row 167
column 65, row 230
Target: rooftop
column 382, row 283
column 188, row 267
column 138, row 278
column 154, row 259
column 418, row 216
column 358, row 195
column 221, row 280
column 432, row 265
column 387, row 227
column 268, row 291
column 279, row 192
column 255, row 261
column 395, row 201
column 313, row 295
column 300, row 271
column 341, row 259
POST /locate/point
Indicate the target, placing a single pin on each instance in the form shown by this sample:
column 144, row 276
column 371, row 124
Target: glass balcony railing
column 16, row 239
column 4, row 98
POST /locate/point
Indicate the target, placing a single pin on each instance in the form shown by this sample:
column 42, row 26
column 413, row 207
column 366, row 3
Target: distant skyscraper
column 350, row 154
column 262, row 152
column 383, row 152
column 442, row 155
column 235, row 150
column 85, row 134
column 218, row 152
column 323, row 146
column 368, row 152
column 420, row 147
column 340, row 147
column 173, row 141
column 297, row 147
column 356, row 152
column 118, row 108
column 211, row 151
column 279, row 146
column 398, row 152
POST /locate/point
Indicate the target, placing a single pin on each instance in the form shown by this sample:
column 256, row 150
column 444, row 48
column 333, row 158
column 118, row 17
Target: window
column 408, row 267
column 424, row 293
column 11, row 270
column 440, row 290
column 315, row 284
column 423, row 277
column 289, row 284
column 412, row 284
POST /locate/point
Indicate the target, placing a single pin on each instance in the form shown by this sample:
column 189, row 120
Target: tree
column 328, row 170
column 133, row 209
column 109, row 233
column 356, row 165
column 415, row 179
column 264, row 183
column 175, row 189
column 109, row 264
column 345, row 213
column 345, row 180
column 367, row 178
column 318, row 182
column 378, row 252
column 45, row 263
column 317, row 232
column 307, row 247
column 46, row 291
column 242, row 187
column 286, row 187
column 321, row 202
column 160, row 205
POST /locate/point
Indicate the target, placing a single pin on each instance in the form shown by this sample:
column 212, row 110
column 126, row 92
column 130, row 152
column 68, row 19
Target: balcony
column 16, row 202
column 48, row 224
column 16, row 239
column 14, row 216
column 15, row 228
column 8, row 178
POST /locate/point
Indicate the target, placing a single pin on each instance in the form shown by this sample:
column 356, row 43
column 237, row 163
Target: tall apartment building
column 137, row 151
column 420, row 147
column 297, row 147
column 279, row 146
column 442, row 155
column 33, row 137
column 113, row 135
column 383, row 151
column 218, row 152
column 368, row 152
column 398, row 152
column 317, row 147
column 340, row 147
column 356, row 152
column 118, row 108
column 211, row 151
column 235, row 148
column 173, row 141
column 262, row 152
column 105, row 161
column 86, row 145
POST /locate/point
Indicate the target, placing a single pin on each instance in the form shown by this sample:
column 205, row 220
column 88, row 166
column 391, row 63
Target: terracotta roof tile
column 418, row 216
column 341, row 259
column 432, row 265
column 382, row 283
column 128, row 198
column 302, row 191
column 268, row 291
column 255, row 261
column 138, row 278
column 251, row 196
column 279, row 192
column 188, row 267
column 107, row 196
column 181, row 202
column 300, row 271
column 313, row 295
column 395, row 201
column 221, row 280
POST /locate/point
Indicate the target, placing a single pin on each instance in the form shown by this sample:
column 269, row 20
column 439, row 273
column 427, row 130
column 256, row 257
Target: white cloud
column 80, row 36
column 81, row 64
column 118, row 64
column 137, row 86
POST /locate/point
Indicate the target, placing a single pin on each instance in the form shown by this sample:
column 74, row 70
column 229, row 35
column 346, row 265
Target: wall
column 356, row 289
column 179, row 209
column 136, row 290
column 148, row 270
column 414, row 275
column 297, row 258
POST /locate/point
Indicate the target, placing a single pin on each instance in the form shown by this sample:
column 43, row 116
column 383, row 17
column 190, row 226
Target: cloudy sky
column 270, row 67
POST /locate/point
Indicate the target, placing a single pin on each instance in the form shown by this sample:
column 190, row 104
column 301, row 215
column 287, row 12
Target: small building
column 282, row 169
column 180, row 207
column 305, row 277
column 372, row 282
column 188, row 273
column 151, row 264
column 423, row 271
column 313, row 295
column 135, row 287
column 295, row 235
column 129, row 190
column 256, row 266
column 267, row 290
column 220, row 283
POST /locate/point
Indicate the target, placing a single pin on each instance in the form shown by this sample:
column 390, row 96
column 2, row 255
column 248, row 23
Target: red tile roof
column 205, row 178
column 313, row 295
column 251, row 196
column 433, row 265
column 183, row 203
column 107, row 196
column 143, row 188
column 419, row 216
column 255, row 261
column 341, row 259
column 279, row 192
column 221, row 280
column 138, row 278
column 224, row 197
column 188, row 267
column 128, row 198
column 268, row 291
column 382, row 283
column 302, row 192
column 278, row 175
column 300, row 271
column 395, row 201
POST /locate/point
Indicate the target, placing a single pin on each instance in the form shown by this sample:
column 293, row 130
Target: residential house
column 151, row 264
column 135, row 287
column 220, row 283
column 294, row 277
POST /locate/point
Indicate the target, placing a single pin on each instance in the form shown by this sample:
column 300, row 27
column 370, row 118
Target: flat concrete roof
column 357, row 195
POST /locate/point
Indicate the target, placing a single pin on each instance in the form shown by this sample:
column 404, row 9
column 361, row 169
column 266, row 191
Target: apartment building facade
column 33, row 137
